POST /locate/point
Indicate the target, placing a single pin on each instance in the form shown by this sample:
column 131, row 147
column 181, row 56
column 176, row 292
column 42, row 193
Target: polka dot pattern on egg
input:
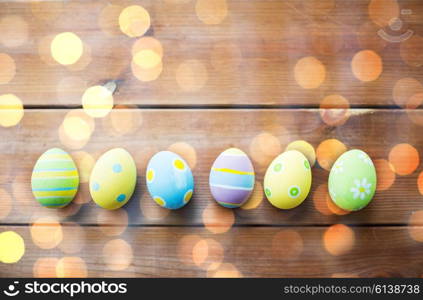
column 117, row 168
column 121, row 198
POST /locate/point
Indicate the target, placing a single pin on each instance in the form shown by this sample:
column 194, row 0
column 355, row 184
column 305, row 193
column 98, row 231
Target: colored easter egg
column 352, row 180
column 113, row 179
column 169, row 180
column 55, row 179
column 287, row 180
column 231, row 178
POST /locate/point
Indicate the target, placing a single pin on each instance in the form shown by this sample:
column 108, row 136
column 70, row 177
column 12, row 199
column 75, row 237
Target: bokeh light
column 108, row 20
column 11, row 110
column 328, row 152
column 76, row 129
column 334, row 110
column 207, row 254
column 73, row 238
column 211, row 12
column 320, row 199
column 366, row 65
column 411, row 51
column 47, row 10
column 112, row 222
column 185, row 248
column 415, row 226
column 404, row 158
column 191, row 75
column 124, row 120
column 134, row 21
column 186, row 151
column 46, row 233
column 45, row 267
column 71, row 267
column 146, row 75
column 305, row 148
column 338, row 239
column 385, row 174
column 12, row 247
column 381, row 12
column 117, row 254
column 408, row 93
column 97, row 101
column 309, row 72
column 8, row 68
column 287, row 245
column 217, row 219
column 147, row 59
column 66, row 48
column 420, row 183
column 14, row 31
column 264, row 147
column 147, row 43
column 225, row 270
column 5, row 203
column 256, row 197
column 85, row 163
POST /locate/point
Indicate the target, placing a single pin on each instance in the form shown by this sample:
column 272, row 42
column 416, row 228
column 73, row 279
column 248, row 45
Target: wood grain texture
column 158, row 252
column 206, row 133
column 265, row 40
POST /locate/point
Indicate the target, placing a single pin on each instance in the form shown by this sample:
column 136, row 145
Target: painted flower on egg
column 354, row 187
column 169, row 180
column 113, row 179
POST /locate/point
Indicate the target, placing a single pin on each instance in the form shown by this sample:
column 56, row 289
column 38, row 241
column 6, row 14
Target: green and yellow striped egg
column 55, row 179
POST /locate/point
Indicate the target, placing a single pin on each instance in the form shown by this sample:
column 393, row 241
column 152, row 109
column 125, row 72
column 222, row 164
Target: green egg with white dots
column 113, row 179
column 352, row 180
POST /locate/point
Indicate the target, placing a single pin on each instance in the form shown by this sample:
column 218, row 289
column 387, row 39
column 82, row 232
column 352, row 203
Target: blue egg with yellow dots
column 169, row 180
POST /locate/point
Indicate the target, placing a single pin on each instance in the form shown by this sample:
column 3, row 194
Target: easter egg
column 55, row 179
column 287, row 180
column 352, row 180
column 231, row 178
column 113, row 179
column 169, row 180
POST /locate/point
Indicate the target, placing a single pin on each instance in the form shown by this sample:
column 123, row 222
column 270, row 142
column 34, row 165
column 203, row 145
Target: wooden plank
column 189, row 252
column 249, row 58
column 199, row 136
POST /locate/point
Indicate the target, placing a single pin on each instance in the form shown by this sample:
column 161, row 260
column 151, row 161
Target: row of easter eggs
column 287, row 182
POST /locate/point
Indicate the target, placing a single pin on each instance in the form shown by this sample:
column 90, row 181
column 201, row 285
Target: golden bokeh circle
column 385, row 174
column 12, row 247
column 408, row 92
column 45, row 267
column 14, row 31
column 191, row 75
column 46, row 233
column 66, row 48
column 211, row 12
column 305, row 148
column 338, row 239
column 8, row 68
column 381, row 12
column 11, row 110
column 334, row 110
column 404, row 158
column 366, row 65
column 71, row 267
column 134, row 21
column 309, row 72
column 207, row 254
column 256, row 197
column 217, row 219
column 287, row 245
column 97, row 101
column 328, row 152
column 117, row 254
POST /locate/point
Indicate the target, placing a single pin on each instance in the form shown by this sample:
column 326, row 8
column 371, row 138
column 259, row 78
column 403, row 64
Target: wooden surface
column 247, row 96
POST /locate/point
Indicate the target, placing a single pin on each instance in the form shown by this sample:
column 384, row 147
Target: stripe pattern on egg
column 232, row 178
column 54, row 179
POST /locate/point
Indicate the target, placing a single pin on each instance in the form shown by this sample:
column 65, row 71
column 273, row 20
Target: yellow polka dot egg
column 288, row 180
column 169, row 180
column 113, row 179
